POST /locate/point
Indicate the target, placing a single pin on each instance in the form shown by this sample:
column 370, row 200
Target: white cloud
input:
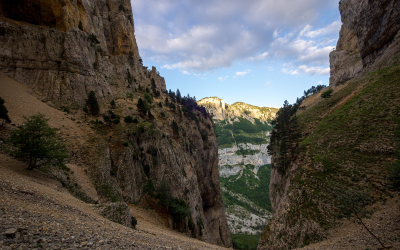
column 276, row 34
column 302, row 50
column 242, row 73
column 207, row 35
column 259, row 57
column 332, row 28
column 223, row 78
column 267, row 83
column 314, row 70
column 167, row 67
column 306, row 70
column 319, row 83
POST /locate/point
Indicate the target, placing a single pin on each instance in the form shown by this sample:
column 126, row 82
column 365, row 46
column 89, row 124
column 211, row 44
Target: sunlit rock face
column 370, row 32
column 223, row 111
column 65, row 49
column 229, row 157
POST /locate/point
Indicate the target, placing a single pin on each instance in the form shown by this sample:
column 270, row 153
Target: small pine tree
column 92, row 103
column 113, row 105
column 36, row 141
column 178, row 96
column 80, row 26
column 163, row 194
column 141, row 106
column 175, row 128
column 150, row 115
column 4, row 112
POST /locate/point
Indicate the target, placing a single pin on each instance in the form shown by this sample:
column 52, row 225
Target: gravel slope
column 36, row 212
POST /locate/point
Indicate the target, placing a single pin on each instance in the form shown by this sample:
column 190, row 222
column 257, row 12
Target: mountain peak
column 221, row 111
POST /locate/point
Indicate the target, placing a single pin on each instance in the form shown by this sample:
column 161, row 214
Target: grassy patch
column 256, row 190
column 245, row 242
column 350, row 140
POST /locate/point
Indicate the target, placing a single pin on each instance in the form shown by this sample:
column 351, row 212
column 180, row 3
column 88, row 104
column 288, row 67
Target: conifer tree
column 141, row 106
column 92, row 103
column 4, row 112
column 285, row 137
column 175, row 128
column 36, row 141
column 178, row 96
column 113, row 105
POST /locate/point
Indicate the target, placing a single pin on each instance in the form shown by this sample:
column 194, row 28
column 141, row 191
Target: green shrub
column 128, row 119
column 163, row 194
column 93, row 40
column 36, row 141
column 107, row 191
column 204, row 135
column 80, row 26
column 148, row 97
column 327, row 93
column 143, row 106
column 149, row 188
column 152, row 150
column 146, row 170
column 113, row 105
column 92, row 103
column 4, row 112
column 245, row 242
column 65, row 109
column 178, row 209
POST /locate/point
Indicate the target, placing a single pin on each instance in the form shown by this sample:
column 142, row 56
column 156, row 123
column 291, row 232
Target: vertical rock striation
column 370, row 32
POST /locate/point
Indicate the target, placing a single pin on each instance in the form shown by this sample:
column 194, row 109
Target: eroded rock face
column 369, row 29
column 63, row 50
column 229, row 157
column 222, row 111
column 91, row 46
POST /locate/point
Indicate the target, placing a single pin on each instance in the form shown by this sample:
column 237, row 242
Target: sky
column 261, row 52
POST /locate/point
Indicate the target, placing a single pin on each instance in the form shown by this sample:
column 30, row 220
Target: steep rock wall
column 63, row 50
column 369, row 29
column 90, row 45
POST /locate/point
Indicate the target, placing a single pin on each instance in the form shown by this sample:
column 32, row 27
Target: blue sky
column 261, row 52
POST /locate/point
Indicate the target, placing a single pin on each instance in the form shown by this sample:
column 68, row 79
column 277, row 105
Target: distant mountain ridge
column 222, row 110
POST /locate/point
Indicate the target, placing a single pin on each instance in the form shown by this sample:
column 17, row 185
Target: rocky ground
column 37, row 213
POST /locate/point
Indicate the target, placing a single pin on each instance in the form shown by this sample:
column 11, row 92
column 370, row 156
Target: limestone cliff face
column 370, row 32
column 228, row 157
column 214, row 106
column 223, row 111
column 63, row 50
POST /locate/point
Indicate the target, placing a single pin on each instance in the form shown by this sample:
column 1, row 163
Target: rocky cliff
column 62, row 50
column 243, row 134
column 222, row 111
column 370, row 32
column 337, row 157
